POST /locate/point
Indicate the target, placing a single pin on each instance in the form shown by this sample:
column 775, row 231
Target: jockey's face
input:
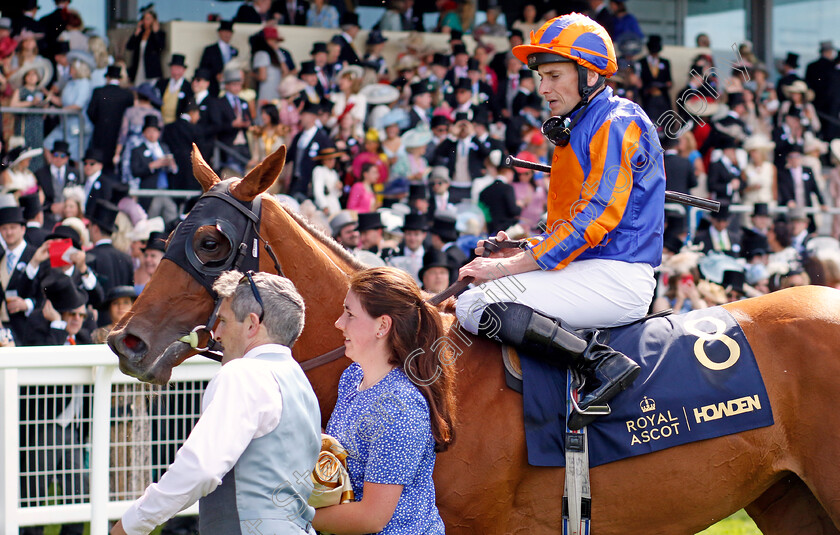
column 559, row 86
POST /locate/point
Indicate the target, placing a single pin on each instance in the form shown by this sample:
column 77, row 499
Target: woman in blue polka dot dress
column 395, row 408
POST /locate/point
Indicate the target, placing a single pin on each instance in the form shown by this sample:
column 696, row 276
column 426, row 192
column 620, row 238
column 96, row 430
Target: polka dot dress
column 387, row 433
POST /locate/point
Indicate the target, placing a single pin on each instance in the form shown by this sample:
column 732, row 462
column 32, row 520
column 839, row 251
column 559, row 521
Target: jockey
column 592, row 267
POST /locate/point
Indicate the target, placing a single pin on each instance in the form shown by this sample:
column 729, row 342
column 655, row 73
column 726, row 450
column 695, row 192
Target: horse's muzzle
column 129, row 347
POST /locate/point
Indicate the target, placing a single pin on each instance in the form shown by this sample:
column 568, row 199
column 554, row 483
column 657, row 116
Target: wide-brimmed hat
column 414, row 41
column 407, row 62
column 701, row 107
column 416, row 137
column 148, row 91
column 798, row 86
column 19, row 154
column 62, row 292
column 272, row 32
column 813, row 143
column 369, row 221
column 291, row 86
column 759, row 142
column 377, row 94
column 355, row 71
column 328, row 152
column 375, row 37
column 12, row 214
column 118, row 292
column 143, row 229
column 341, row 220
column 156, row 242
column 62, row 232
column 44, row 68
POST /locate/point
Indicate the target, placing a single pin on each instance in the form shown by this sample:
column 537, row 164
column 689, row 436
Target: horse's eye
column 209, row 245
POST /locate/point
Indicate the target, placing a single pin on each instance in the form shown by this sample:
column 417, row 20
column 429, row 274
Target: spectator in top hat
column 303, row 149
column 179, row 137
column 787, row 69
column 152, row 255
column 418, row 198
column 499, row 201
column 344, row 230
column 175, row 91
column 33, row 213
column 718, row 236
column 152, row 162
column 112, row 266
column 371, row 235
column 107, row 106
column 819, row 75
column 724, row 178
column 656, row 79
column 760, row 220
column 98, row 184
column 754, row 246
column 409, row 255
column 349, row 30
column 443, row 237
column 216, row 56
column 797, row 185
column 527, row 87
column 436, row 273
column 150, row 41
column 313, row 92
column 421, row 105
column 460, row 67
column 374, row 44
column 18, row 299
column 733, row 282
column 40, row 266
column 56, row 175
column 204, row 100
column 230, row 118
column 440, row 130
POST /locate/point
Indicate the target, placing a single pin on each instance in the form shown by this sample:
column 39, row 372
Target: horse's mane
column 354, row 263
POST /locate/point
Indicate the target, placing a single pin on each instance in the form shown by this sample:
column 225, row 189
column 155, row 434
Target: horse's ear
column 203, row 172
column 261, row 177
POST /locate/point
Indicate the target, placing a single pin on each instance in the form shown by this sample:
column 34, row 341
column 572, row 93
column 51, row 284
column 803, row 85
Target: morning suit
column 107, row 106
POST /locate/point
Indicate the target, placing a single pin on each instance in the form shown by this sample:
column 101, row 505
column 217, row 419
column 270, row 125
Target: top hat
column 310, row 107
column 12, row 214
column 317, row 47
column 62, row 147
column 62, row 292
column 654, row 43
column 444, row 227
column 62, row 47
column 473, row 65
column 463, row 83
column 63, row 232
column 753, row 243
column 156, row 242
column 459, row 49
column 419, row 88
column 723, row 213
column 375, row 37
column 349, row 18
column 417, row 191
column 672, row 242
column 443, row 120
column 307, row 67
column 341, row 220
column 151, row 121
column 792, row 60
column 415, row 221
column 203, row 73
column 225, row 25
column 177, row 59
column 735, row 98
column 434, row 258
column 455, row 35
column 104, row 215
column 369, row 221
column 95, row 154
column 114, row 72
column 440, row 59
column 761, row 209
column 735, row 279
column 31, row 205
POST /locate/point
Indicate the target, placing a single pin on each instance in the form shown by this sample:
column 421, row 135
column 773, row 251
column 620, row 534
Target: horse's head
column 220, row 233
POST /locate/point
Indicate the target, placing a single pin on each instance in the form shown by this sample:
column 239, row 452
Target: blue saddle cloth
column 699, row 380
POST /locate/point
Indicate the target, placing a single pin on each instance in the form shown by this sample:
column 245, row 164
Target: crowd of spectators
column 401, row 161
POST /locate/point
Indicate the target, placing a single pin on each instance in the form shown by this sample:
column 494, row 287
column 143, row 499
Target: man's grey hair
column 283, row 305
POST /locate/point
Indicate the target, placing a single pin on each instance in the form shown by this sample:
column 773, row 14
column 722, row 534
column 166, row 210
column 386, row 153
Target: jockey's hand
column 482, row 270
column 503, row 253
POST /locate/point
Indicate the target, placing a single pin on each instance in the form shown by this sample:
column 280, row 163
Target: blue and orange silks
column 607, row 191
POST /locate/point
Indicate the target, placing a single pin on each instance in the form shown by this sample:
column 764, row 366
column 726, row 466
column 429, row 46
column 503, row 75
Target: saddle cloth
column 699, row 380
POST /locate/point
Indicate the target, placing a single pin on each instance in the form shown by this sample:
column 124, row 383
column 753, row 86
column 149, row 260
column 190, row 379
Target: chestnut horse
column 785, row 475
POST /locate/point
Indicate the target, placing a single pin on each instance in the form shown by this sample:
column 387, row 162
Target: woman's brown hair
column 415, row 338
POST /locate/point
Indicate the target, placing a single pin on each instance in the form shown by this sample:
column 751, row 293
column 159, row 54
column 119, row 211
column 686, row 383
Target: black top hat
column 723, row 213
column 517, row 33
column 444, row 227
column 463, row 83
column 792, row 60
column 369, row 221
column 151, row 121
column 177, row 59
column 417, row 191
column 61, row 146
column 62, row 232
column 735, row 98
column 94, row 153
column 419, row 88
column 320, row 46
column 156, row 242
column 435, row 258
column 735, row 279
column 119, row 191
column 118, row 292
column 225, row 25
column 62, row 47
column 440, row 59
column 753, row 243
column 761, row 208
column 349, row 18
column 203, row 74
column 415, row 221
column 310, row 107
column 533, row 101
column 672, row 242
column 525, row 74
column 455, row 35
column 114, row 72
column 12, row 214
column 307, row 67
column 104, row 214
column 473, row 65
column 654, row 43
column 62, row 293
column 31, row 205
column 459, row 49
column 481, row 115
column 463, row 116
column 440, row 120
column 375, row 37
column 728, row 142
column 326, row 106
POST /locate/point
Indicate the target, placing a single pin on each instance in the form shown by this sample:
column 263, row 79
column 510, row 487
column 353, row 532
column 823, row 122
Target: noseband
column 243, row 237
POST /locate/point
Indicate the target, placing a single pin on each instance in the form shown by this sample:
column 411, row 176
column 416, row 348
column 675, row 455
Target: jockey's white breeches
column 584, row 294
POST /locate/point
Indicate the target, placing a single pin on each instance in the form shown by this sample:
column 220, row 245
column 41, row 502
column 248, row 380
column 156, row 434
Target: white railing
column 140, row 426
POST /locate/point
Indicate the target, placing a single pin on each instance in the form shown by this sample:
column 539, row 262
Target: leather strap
column 577, row 495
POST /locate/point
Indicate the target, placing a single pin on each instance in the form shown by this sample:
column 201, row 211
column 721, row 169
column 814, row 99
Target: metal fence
column 79, row 441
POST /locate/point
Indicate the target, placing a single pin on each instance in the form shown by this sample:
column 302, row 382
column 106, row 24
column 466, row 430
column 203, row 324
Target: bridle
column 243, row 236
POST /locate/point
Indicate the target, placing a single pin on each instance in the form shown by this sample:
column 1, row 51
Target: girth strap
column 577, row 494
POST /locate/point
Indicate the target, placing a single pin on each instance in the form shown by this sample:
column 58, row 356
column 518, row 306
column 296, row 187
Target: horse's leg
column 790, row 508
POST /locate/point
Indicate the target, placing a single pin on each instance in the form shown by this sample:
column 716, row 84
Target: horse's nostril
column 134, row 346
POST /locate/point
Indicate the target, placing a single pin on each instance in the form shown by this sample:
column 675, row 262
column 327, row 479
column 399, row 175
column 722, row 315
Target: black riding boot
column 607, row 371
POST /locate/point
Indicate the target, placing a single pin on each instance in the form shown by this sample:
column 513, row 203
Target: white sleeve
column 319, row 182
column 244, row 404
column 261, row 59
